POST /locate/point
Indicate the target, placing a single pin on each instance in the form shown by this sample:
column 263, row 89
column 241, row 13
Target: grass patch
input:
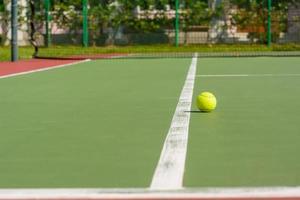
column 24, row 53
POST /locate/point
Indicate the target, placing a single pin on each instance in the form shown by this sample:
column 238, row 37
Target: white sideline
column 170, row 168
column 143, row 193
column 247, row 75
column 44, row 69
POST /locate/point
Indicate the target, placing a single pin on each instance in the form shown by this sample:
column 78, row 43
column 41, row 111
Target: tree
column 150, row 21
column 137, row 26
column 195, row 14
column 35, row 23
column 99, row 18
column 66, row 15
column 252, row 17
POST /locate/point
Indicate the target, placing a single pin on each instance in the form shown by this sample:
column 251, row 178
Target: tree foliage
column 113, row 15
column 108, row 18
column 252, row 17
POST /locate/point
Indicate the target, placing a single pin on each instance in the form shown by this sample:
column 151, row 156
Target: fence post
column 269, row 34
column 47, row 18
column 177, row 23
column 85, row 33
column 14, row 31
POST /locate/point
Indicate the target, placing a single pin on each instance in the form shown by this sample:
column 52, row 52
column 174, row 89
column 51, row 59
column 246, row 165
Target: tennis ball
column 206, row 102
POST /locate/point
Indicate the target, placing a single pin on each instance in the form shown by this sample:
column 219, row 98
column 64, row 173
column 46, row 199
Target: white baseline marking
column 170, row 168
column 142, row 193
column 247, row 75
column 44, row 69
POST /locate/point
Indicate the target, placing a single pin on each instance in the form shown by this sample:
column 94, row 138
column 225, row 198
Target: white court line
column 44, row 69
column 247, row 75
column 142, row 193
column 170, row 168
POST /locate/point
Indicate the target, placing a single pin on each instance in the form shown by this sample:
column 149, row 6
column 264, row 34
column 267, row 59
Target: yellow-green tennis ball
column 206, row 102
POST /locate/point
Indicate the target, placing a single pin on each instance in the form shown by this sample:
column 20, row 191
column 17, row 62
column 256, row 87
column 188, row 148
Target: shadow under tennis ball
column 196, row 111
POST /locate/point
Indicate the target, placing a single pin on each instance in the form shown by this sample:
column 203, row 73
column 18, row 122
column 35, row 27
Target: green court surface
column 253, row 137
column 97, row 124
column 103, row 123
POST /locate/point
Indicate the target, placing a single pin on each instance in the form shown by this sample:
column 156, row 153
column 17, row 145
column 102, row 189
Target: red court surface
column 10, row 68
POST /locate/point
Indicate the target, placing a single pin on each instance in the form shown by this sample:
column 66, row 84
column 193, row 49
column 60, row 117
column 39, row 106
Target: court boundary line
column 44, row 69
column 269, row 193
column 169, row 171
column 246, row 75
